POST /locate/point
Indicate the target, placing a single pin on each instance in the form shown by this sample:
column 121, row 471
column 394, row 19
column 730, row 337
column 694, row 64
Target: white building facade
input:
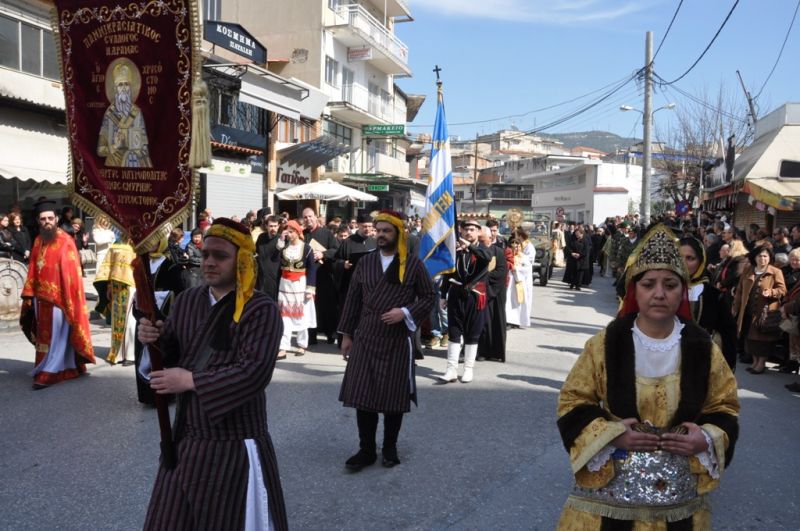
column 350, row 52
column 586, row 192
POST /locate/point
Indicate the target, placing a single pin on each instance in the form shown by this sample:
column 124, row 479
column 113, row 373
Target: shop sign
column 377, row 188
column 236, row 137
column 256, row 163
column 384, row 130
column 359, row 54
column 291, row 175
column 235, row 38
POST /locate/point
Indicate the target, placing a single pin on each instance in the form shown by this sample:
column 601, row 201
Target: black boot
column 367, row 455
column 391, row 429
column 390, row 456
column 360, row 460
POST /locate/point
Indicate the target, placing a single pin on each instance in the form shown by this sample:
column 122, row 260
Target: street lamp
column 647, row 119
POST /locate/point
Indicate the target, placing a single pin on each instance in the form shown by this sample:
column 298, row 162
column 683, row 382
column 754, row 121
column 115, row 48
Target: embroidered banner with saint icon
column 128, row 70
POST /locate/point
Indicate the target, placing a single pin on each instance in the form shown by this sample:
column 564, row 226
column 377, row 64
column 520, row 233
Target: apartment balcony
column 357, row 105
column 395, row 9
column 356, row 28
column 386, row 165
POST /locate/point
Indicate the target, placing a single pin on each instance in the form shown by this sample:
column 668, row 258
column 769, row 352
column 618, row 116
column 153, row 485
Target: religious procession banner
column 128, row 70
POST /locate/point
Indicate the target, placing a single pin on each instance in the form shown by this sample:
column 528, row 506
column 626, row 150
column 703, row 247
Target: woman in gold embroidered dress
column 650, row 393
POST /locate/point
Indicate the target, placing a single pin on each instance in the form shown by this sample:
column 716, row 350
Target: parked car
column 539, row 233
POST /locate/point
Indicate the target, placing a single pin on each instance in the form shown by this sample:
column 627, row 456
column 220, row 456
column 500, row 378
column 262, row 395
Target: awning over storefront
column 32, row 148
column 313, row 153
column 267, row 90
column 777, row 193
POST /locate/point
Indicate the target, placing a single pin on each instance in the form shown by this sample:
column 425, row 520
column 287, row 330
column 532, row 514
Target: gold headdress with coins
column 657, row 250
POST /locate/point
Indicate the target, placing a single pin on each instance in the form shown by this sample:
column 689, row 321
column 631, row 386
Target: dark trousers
column 464, row 317
column 368, row 427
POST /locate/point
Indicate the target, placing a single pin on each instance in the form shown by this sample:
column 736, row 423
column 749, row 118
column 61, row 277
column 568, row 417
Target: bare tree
column 702, row 123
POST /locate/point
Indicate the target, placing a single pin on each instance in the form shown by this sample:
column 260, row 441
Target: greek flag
column 438, row 242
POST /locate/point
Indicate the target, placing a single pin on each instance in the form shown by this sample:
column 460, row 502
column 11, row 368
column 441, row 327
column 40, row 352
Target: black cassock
column 353, row 249
column 269, row 264
column 492, row 344
column 327, row 297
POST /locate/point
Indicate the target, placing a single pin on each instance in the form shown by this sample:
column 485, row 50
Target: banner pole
column 146, row 303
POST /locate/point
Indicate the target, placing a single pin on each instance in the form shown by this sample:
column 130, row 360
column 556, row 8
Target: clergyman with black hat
column 351, row 251
column 390, row 295
column 220, row 343
column 54, row 316
column 463, row 293
column 269, row 257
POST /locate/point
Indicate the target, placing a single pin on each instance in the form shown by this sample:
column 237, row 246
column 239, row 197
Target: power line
column 708, row 47
column 703, row 103
column 667, row 32
column 779, row 53
column 569, row 116
column 549, row 107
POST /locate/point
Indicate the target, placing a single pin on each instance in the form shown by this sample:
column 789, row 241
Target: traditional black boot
column 390, row 456
column 367, row 455
column 391, row 429
column 363, row 458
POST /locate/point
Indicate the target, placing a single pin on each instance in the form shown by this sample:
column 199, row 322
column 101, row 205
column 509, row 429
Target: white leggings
column 302, row 339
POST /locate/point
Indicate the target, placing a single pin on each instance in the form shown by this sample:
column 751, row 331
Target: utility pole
column 475, row 177
column 647, row 117
column 749, row 99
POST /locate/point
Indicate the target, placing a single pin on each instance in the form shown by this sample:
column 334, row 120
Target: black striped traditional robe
column 208, row 488
column 379, row 375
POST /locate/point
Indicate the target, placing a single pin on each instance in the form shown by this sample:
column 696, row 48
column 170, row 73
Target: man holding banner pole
column 226, row 475
column 143, row 178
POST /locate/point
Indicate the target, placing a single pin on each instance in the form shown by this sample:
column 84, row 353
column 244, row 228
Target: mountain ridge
column 603, row 140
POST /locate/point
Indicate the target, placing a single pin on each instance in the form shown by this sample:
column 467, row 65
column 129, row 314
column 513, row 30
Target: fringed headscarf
column 239, row 235
column 658, row 249
column 396, row 220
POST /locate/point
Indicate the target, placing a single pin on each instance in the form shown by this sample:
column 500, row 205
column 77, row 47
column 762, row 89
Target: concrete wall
column 290, row 31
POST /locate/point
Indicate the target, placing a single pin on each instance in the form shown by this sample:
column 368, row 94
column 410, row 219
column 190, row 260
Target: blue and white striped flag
column 438, row 242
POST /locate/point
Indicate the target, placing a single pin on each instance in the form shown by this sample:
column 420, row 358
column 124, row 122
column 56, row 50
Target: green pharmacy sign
column 384, row 130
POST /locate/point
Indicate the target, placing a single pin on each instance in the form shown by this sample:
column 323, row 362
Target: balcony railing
column 376, row 105
column 373, row 31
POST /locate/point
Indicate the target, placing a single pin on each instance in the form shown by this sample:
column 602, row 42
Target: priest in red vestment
column 54, row 315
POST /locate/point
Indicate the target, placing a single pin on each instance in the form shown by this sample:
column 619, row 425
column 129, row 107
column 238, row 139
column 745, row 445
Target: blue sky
column 504, row 57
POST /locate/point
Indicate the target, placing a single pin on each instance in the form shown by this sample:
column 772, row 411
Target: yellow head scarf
column 238, row 235
column 397, row 222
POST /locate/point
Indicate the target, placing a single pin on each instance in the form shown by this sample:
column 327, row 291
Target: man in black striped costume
column 220, row 343
column 390, row 294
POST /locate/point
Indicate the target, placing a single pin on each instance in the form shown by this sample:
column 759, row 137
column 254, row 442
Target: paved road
column 82, row 455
